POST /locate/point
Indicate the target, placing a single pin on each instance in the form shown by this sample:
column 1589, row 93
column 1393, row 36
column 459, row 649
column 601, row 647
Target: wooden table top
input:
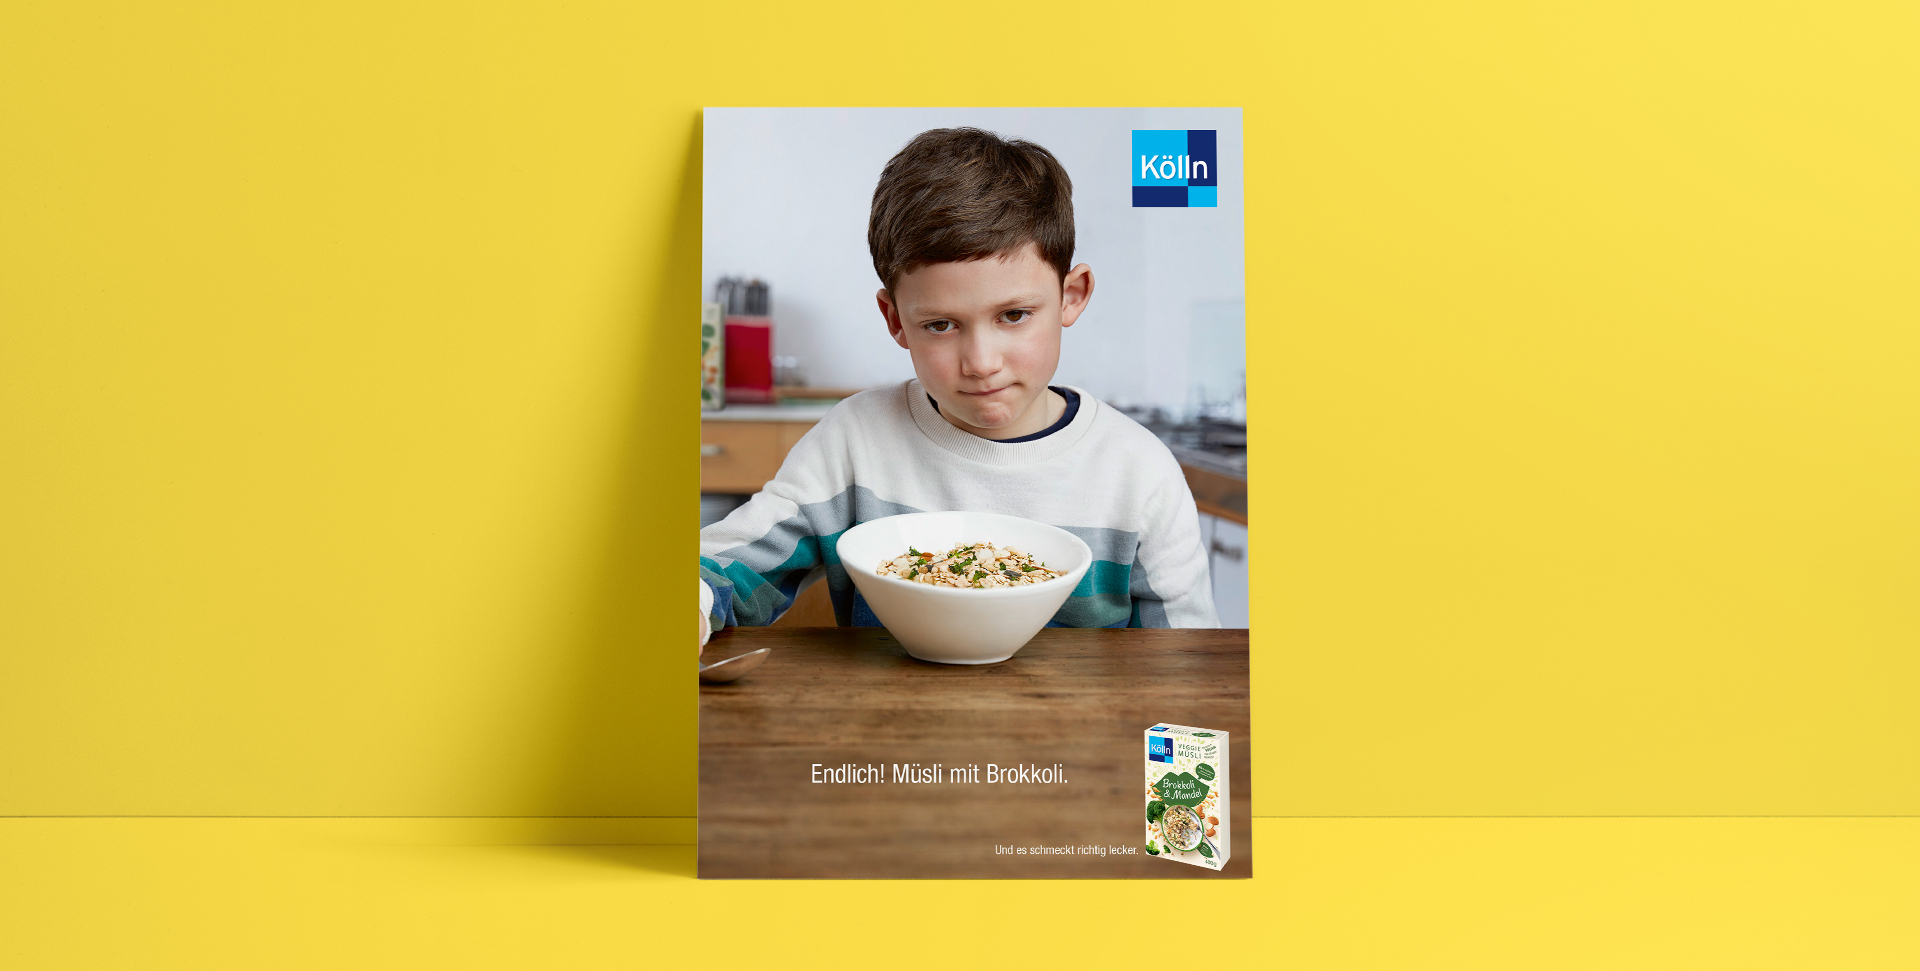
column 1079, row 698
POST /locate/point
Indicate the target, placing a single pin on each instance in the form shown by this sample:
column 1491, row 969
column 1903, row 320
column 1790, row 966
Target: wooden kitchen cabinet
column 1226, row 542
column 738, row 457
column 1222, row 503
column 1219, row 495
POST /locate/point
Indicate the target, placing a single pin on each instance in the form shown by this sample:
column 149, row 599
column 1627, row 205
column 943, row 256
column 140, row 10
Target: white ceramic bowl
column 961, row 625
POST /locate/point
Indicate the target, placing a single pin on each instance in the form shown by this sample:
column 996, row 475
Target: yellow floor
column 1331, row 893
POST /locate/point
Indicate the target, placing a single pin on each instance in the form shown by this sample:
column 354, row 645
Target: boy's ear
column 894, row 330
column 1075, row 291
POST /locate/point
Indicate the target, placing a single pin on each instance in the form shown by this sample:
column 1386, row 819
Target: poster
column 998, row 355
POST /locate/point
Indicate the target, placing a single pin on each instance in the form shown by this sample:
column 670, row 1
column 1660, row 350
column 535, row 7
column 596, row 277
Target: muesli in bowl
column 982, row 566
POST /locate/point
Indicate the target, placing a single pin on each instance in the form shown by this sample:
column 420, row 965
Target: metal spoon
column 733, row 668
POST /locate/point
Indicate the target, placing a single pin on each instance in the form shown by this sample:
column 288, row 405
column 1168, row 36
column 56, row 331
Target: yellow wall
column 346, row 436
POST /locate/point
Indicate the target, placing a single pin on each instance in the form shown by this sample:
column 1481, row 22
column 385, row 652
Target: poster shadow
column 626, row 746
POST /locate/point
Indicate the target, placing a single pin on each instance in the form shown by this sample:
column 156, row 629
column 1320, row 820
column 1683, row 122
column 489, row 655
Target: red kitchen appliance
column 749, row 340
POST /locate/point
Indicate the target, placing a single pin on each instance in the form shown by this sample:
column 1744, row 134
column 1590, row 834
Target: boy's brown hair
column 957, row 194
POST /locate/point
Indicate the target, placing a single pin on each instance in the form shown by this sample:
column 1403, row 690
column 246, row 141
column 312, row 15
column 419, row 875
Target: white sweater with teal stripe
column 885, row 452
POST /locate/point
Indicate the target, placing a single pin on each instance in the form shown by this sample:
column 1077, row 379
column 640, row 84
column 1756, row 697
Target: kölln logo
column 1178, row 169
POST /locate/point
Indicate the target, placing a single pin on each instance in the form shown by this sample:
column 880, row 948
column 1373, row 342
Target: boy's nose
column 980, row 358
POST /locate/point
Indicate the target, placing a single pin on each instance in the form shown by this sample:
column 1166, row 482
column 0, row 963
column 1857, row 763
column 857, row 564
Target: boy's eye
column 1016, row 316
column 938, row 326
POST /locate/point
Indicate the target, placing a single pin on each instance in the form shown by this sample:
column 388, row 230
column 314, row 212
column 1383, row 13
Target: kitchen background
column 786, row 196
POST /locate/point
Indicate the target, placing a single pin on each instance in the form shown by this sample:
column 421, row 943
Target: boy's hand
column 706, row 604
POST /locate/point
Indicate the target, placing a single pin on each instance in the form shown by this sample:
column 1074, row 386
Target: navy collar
column 1066, row 417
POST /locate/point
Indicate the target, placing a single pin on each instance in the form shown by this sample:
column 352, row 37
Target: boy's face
column 985, row 336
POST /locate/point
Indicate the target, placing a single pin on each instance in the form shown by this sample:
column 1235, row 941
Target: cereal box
column 713, row 362
column 1187, row 795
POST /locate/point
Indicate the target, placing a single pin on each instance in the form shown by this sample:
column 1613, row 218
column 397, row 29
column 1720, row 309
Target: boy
column 972, row 237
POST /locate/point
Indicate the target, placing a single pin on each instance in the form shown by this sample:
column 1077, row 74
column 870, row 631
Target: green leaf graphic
column 1204, row 771
column 1202, row 734
column 1205, row 850
column 1181, row 789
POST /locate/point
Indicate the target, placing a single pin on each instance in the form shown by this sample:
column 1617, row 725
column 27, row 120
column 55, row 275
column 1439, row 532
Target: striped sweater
column 886, row 452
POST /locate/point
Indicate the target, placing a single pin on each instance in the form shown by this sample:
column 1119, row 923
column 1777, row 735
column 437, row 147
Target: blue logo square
column 1160, row 749
column 1176, row 168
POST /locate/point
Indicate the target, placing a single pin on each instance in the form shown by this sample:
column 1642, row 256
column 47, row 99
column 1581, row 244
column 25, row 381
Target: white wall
column 786, row 198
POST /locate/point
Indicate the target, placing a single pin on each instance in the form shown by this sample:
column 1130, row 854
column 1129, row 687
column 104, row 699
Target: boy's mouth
column 983, row 394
